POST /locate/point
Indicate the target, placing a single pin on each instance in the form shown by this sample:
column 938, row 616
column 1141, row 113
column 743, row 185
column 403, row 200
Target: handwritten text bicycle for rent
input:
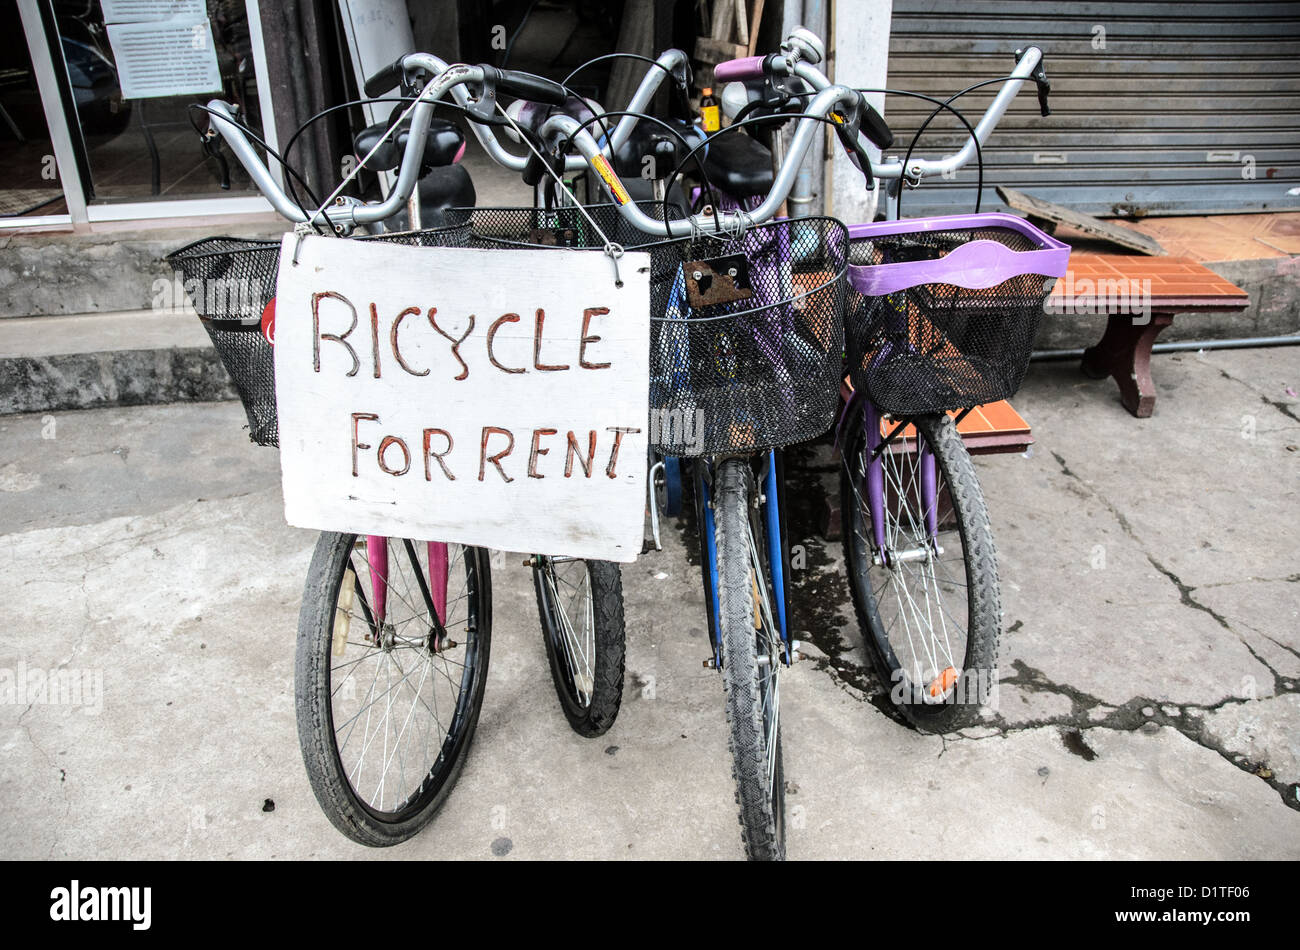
column 488, row 397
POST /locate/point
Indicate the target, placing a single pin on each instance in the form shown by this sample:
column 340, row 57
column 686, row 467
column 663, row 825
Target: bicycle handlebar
column 830, row 99
column 796, row 61
column 739, row 70
column 524, row 85
column 1027, row 67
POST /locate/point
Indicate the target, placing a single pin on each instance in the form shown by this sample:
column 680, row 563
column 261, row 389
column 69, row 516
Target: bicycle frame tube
column 438, row 578
column 710, row 565
column 775, row 548
column 377, row 558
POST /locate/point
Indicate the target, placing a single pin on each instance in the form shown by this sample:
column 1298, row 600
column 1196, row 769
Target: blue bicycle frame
column 772, row 535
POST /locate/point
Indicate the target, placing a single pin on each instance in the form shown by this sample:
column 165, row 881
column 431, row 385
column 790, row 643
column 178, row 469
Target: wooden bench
column 1178, row 285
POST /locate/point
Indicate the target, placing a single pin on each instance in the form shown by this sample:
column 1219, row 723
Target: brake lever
column 1039, row 76
column 847, row 128
column 482, row 102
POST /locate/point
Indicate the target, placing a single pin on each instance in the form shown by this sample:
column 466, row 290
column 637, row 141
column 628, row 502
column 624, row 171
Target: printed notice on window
column 134, row 11
column 171, row 57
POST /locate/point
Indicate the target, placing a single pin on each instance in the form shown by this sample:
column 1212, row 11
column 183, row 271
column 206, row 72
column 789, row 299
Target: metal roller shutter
column 1181, row 107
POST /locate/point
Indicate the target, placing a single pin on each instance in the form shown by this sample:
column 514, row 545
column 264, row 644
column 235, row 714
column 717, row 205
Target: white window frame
column 164, row 211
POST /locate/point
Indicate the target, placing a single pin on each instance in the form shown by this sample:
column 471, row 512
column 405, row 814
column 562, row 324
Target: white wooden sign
column 494, row 398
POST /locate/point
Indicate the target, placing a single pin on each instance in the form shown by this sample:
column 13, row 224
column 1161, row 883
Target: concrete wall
column 860, row 59
column 43, row 274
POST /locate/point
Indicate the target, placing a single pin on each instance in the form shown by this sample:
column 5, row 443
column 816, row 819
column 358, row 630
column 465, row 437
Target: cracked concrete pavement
column 1148, row 703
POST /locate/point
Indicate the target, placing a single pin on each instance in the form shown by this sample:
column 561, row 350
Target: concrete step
column 90, row 361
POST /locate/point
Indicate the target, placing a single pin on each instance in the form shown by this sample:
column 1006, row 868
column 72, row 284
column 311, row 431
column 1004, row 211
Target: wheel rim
column 571, row 624
column 399, row 701
column 916, row 588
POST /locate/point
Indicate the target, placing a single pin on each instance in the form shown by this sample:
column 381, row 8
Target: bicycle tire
column 932, row 700
column 321, row 630
column 590, row 692
column 754, row 728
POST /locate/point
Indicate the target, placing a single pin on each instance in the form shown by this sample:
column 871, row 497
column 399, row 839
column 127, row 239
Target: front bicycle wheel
column 922, row 569
column 581, row 608
column 392, row 658
column 751, row 662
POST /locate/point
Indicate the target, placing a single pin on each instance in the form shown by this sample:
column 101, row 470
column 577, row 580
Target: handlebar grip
column 739, row 70
column 524, row 85
column 384, row 80
column 876, row 128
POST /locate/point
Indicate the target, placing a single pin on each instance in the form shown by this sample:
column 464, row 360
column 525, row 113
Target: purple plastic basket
column 943, row 311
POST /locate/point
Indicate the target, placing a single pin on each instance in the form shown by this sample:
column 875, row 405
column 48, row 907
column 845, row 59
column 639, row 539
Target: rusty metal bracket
column 717, row 281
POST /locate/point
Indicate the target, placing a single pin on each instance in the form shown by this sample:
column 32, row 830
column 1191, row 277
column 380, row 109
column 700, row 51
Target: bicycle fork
column 769, row 501
column 377, row 559
column 928, row 482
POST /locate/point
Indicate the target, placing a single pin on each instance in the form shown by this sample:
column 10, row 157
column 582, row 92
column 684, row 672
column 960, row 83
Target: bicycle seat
column 739, row 165
column 440, row 148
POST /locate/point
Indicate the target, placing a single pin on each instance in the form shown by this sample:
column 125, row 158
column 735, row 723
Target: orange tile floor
column 995, row 427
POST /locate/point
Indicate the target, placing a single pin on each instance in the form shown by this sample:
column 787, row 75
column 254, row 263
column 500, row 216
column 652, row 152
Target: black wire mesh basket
column 942, row 312
column 230, row 281
column 746, row 337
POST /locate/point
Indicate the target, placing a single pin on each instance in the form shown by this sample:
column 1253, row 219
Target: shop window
column 30, row 185
column 134, row 67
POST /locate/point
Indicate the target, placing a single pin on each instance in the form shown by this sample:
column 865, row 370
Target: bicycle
column 905, row 504
column 379, row 612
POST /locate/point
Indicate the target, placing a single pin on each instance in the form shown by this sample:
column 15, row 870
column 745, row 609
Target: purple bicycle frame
column 871, row 416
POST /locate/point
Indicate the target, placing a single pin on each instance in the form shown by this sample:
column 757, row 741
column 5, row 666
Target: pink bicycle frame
column 377, row 559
